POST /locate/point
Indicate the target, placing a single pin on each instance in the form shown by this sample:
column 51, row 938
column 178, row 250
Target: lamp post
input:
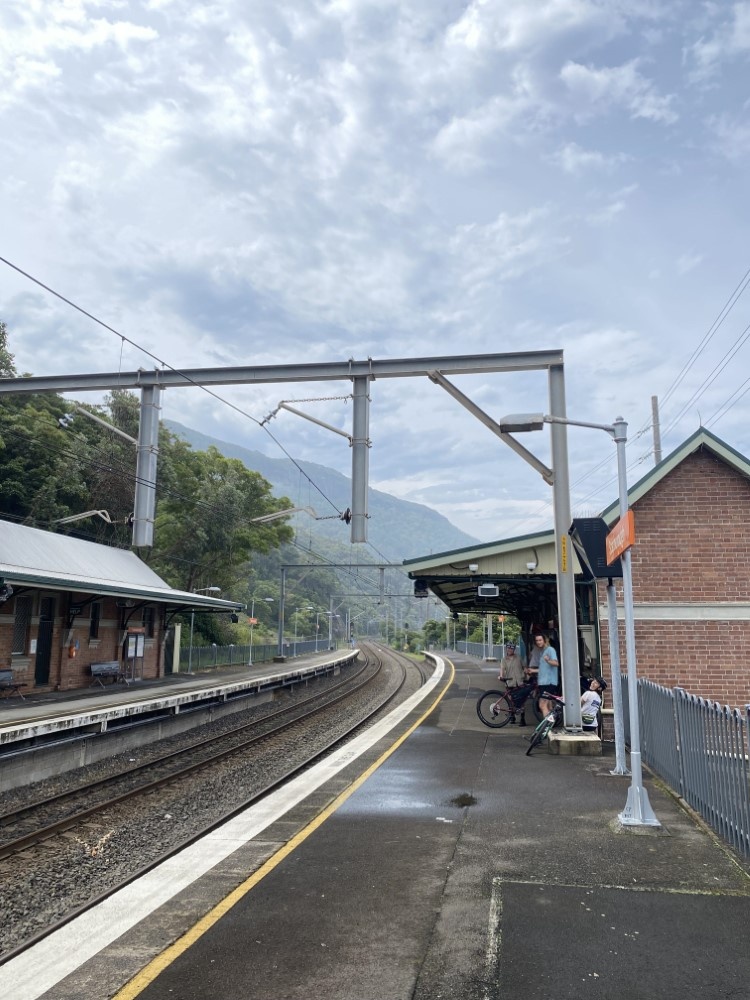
column 317, row 629
column 268, row 600
column 637, row 811
column 203, row 590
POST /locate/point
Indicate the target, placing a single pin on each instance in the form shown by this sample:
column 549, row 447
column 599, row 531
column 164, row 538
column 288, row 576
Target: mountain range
column 398, row 529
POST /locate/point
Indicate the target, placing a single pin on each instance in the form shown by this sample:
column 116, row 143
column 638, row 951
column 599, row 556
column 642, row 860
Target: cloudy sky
column 291, row 181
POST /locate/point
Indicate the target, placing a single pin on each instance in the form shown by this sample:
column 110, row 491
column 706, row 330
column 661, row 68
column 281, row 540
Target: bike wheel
column 495, row 709
column 541, row 732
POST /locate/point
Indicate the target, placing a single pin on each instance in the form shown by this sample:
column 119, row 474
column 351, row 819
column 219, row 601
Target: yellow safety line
column 162, row 961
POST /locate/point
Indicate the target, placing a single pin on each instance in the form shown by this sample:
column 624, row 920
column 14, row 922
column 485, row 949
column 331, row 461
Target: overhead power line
column 177, row 371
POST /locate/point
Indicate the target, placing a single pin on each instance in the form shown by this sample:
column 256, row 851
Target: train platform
column 14, row 709
column 432, row 860
column 67, row 729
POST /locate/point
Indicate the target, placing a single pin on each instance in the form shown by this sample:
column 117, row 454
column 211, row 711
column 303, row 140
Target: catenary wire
column 177, row 371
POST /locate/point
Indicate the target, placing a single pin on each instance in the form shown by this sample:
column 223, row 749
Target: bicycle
column 548, row 723
column 496, row 708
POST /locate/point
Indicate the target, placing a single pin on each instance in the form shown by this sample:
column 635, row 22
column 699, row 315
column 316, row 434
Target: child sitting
column 591, row 702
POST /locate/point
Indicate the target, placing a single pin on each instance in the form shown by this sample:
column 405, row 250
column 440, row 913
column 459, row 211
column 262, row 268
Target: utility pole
column 657, row 429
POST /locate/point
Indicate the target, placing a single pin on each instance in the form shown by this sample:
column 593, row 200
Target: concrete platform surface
column 462, row 868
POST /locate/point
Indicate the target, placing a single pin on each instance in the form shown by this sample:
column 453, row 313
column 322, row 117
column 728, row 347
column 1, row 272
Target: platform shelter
column 691, row 575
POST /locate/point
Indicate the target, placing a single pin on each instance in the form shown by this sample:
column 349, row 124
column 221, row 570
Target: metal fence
column 475, row 649
column 206, row 657
column 701, row 750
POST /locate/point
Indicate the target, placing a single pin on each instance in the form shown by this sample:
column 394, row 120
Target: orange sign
column 252, row 621
column 621, row 537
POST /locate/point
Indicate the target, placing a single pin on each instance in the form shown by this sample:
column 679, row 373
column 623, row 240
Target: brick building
column 66, row 603
column 691, row 575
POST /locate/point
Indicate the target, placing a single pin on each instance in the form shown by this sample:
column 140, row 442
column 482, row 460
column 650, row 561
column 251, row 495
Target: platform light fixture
column 202, row 590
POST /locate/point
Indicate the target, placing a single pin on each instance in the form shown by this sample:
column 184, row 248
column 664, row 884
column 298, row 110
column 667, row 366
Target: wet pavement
column 463, row 868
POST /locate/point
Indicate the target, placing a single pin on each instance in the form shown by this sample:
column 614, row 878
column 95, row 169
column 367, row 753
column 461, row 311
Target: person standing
column 548, row 672
column 513, row 673
column 511, row 667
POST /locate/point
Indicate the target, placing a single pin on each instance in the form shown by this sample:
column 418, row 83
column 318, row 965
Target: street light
column 268, row 600
column 637, row 811
column 203, row 590
column 317, row 628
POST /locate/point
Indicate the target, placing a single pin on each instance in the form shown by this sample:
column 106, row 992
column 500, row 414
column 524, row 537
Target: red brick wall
column 692, row 545
column 70, row 672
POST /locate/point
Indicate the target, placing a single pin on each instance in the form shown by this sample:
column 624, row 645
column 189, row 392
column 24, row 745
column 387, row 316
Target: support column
column 360, row 457
column 566, row 597
column 145, row 467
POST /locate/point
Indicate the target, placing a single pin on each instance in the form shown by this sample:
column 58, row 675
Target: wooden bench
column 7, row 683
column 110, row 668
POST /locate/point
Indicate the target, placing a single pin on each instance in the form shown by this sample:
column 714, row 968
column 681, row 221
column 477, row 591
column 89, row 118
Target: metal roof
column 31, row 557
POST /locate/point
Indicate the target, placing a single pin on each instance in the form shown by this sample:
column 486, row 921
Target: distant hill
column 397, row 528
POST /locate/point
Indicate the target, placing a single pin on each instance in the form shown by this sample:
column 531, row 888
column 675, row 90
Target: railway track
column 201, row 787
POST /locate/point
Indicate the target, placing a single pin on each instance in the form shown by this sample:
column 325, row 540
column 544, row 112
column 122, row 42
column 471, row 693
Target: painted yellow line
column 157, row 965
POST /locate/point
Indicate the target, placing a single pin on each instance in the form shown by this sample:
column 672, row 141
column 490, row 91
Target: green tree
column 204, row 518
column 7, row 368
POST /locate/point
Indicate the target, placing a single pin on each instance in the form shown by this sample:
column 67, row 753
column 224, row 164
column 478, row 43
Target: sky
column 289, row 182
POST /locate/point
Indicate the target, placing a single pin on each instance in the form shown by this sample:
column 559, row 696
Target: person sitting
column 591, row 702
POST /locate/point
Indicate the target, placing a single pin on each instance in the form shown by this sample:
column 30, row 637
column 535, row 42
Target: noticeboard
column 136, row 646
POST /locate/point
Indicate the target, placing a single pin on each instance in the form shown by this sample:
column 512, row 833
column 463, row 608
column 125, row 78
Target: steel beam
column 322, row 372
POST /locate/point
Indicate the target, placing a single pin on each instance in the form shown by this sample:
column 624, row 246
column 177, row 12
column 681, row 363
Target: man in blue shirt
column 548, row 673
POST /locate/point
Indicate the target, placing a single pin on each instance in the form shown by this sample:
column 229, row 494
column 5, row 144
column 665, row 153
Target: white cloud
column 575, row 160
column 598, row 90
column 732, row 134
column 461, row 143
column 728, row 40
column 517, row 25
column 688, row 262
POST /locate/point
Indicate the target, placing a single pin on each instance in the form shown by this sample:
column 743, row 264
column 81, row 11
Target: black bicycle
column 497, row 708
column 548, row 723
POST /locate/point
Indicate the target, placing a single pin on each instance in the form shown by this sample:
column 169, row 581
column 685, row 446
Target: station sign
column 621, row 537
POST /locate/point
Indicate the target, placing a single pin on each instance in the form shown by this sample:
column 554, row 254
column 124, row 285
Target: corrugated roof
column 45, row 559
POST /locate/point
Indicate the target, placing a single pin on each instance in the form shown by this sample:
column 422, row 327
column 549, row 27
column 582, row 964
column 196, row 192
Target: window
column 96, row 615
column 21, row 623
column 148, row 622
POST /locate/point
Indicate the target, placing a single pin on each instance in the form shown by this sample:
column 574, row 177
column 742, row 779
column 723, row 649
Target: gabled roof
column 32, row 557
column 702, row 438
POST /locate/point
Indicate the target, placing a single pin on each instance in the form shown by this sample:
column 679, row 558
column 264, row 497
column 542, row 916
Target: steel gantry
column 361, row 374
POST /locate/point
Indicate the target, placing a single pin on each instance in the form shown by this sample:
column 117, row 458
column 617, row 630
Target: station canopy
column 516, row 576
